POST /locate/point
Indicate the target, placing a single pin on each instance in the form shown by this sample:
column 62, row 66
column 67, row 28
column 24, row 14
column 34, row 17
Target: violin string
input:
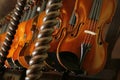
column 95, row 21
column 95, row 18
column 93, row 27
column 91, row 24
column 89, row 35
column 86, row 35
column 92, row 13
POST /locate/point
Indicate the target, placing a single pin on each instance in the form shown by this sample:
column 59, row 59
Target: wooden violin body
column 21, row 45
column 63, row 21
column 23, row 36
column 18, row 41
column 22, row 51
column 78, row 45
column 84, row 39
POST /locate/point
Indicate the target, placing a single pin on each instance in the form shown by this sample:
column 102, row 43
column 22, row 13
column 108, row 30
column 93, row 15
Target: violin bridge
column 90, row 32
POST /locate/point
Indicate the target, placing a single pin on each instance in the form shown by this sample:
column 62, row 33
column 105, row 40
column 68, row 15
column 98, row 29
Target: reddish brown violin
column 23, row 33
column 66, row 14
column 83, row 40
column 18, row 41
column 28, row 46
column 22, row 51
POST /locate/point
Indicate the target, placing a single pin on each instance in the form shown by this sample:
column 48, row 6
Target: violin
column 19, row 39
column 82, row 46
column 32, row 33
column 28, row 48
column 22, row 37
column 63, row 20
column 9, row 62
column 25, row 51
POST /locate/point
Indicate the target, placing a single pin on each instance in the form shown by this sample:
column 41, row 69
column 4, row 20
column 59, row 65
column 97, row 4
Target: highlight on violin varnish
column 76, row 41
column 81, row 47
column 22, row 45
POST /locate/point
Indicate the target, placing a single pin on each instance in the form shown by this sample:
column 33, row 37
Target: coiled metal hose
column 13, row 25
column 34, row 72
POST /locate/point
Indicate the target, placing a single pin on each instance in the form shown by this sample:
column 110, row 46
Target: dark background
column 6, row 6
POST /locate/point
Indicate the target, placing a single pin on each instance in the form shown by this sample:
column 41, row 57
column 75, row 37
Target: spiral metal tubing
column 13, row 25
column 36, row 63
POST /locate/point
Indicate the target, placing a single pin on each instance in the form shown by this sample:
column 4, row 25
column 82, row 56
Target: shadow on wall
column 6, row 6
column 116, row 50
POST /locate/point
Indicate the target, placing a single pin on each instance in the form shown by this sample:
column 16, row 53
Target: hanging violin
column 66, row 13
column 22, row 37
column 9, row 61
column 82, row 46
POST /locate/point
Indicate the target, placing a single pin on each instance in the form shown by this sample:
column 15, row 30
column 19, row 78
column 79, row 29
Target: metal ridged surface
column 43, row 40
column 13, row 25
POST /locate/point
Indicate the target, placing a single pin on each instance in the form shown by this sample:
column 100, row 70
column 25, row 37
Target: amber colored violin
column 82, row 47
column 32, row 32
column 26, row 51
column 63, row 21
column 23, row 39
column 28, row 47
column 19, row 39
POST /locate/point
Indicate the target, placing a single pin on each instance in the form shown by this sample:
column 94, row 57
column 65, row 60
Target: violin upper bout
column 108, row 10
